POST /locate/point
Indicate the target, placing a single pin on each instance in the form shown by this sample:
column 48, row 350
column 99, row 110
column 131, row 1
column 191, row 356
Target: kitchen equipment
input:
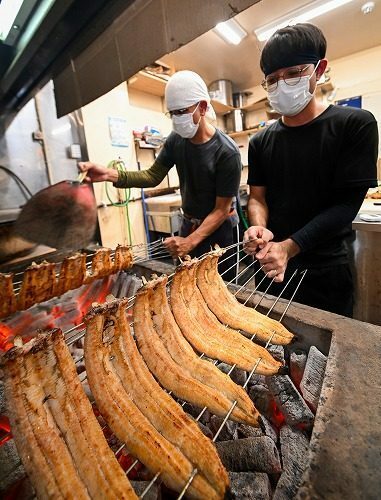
column 235, row 121
column 221, row 91
column 240, row 99
column 164, row 213
column 61, row 216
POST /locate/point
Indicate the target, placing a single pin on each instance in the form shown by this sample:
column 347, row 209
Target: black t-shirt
column 312, row 174
column 205, row 170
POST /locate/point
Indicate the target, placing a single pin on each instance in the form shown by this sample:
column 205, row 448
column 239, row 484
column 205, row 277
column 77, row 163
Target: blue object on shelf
column 353, row 102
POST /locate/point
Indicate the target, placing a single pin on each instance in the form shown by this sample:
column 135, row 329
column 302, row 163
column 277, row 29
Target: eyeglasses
column 290, row 77
column 179, row 112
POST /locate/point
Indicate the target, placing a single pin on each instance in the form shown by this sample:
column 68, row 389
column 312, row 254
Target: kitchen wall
column 134, row 110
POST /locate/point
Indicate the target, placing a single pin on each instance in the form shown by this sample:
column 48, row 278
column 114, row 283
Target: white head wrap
column 186, row 88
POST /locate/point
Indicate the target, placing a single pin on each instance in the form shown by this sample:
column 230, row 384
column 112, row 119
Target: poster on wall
column 119, row 134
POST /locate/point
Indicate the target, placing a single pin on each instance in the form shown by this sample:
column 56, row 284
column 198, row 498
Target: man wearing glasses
column 308, row 175
column 208, row 163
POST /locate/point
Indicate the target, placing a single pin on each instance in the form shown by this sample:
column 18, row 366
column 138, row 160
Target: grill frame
column 351, row 468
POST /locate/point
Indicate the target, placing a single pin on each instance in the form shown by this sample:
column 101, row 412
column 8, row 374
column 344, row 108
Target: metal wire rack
column 141, row 253
column 296, row 278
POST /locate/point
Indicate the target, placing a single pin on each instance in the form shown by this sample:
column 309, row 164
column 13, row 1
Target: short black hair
column 303, row 43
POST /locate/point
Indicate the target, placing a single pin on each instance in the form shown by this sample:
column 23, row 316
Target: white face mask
column 184, row 125
column 289, row 100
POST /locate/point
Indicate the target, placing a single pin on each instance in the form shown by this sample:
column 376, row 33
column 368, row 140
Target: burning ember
column 60, row 312
column 4, row 429
column 5, row 336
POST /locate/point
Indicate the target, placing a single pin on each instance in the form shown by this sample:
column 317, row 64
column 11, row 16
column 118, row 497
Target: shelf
column 260, row 104
column 249, row 131
column 144, row 145
column 221, row 108
column 146, row 82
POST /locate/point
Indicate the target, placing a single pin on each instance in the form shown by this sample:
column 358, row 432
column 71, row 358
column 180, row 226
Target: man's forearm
column 257, row 212
column 330, row 221
column 139, row 179
column 210, row 224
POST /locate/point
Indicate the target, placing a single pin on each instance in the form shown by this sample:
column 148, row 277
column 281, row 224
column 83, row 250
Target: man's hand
column 255, row 238
column 178, row 246
column 274, row 258
column 97, row 173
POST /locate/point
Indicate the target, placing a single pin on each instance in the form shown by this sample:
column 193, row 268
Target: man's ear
column 203, row 107
column 321, row 68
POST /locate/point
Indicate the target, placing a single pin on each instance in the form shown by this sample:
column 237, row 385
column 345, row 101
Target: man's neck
column 204, row 133
column 309, row 113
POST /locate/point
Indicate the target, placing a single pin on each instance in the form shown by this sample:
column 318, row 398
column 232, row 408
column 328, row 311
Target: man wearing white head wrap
column 186, row 88
column 208, row 163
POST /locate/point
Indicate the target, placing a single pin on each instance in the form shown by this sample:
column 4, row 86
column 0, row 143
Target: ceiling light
column 230, row 31
column 8, row 12
column 367, row 8
column 302, row 15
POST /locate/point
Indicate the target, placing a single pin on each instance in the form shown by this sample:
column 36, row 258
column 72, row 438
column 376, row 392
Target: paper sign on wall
column 119, row 134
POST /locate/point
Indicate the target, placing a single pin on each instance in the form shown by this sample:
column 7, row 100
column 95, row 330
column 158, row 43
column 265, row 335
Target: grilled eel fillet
column 203, row 330
column 101, row 265
column 180, row 350
column 229, row 311
column 163, row 412
column 172, row 370
column 133, row 404
column 72, row 273
column 123, row 258
column 56, row 433
column 7, row 295
column 38, row 284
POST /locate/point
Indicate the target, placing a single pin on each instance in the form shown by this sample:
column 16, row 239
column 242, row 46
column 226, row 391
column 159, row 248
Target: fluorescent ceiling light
column 230, row 31
column 8, row 12
column 302, row 15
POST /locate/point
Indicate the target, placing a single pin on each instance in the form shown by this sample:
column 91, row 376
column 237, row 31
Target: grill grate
column 77, row 332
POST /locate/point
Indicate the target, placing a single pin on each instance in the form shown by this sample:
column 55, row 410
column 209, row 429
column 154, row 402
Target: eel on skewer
column 118, row 379
column 175, row 364
column 163, row 412
column 123, row 258
column 229, row 311
column 101, row 265
column 7, row 295
column 72, row 273
column 57, row 435
column 38, row 285
column 203, row 330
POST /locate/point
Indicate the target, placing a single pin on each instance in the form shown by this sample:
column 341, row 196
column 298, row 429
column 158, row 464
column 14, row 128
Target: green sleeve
column 143, row 178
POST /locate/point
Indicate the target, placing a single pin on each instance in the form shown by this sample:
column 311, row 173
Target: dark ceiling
column 67, row 29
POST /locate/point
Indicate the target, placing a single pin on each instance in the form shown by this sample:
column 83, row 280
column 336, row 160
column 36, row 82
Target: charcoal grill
column 343, row 458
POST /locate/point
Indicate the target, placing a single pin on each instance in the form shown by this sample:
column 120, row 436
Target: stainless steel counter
column 367, row 255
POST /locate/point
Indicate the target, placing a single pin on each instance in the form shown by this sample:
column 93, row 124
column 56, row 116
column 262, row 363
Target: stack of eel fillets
column 39, row 281
column 58, row 438
column 205, row 332
column 229, row 311
column 175, row 364
column 154, row 427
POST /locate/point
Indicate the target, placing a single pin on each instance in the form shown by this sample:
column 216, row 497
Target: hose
column 121, row 167
column 21, row 184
